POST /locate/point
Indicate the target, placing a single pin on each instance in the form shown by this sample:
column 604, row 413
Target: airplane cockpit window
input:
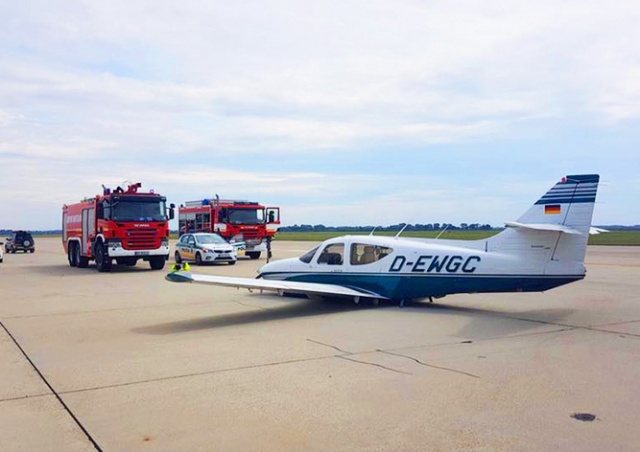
column 332, row 254
column 362, row 253
column 306, row 257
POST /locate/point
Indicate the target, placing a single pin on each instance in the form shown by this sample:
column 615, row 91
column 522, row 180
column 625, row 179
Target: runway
column 128, row 361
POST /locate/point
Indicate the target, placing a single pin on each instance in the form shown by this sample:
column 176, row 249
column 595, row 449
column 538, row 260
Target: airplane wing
column 595, row 231
column 273, row 285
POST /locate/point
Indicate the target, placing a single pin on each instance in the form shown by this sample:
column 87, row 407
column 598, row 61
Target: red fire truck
column 125, row 225
column 239, row 221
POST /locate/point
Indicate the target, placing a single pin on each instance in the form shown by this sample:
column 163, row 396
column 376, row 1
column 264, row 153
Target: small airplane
column 543, row 249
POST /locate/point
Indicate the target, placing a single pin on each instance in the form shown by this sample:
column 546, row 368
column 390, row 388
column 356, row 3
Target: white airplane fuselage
column 416, row 268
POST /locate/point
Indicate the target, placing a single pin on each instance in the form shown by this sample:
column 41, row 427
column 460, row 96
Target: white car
column 204, row 247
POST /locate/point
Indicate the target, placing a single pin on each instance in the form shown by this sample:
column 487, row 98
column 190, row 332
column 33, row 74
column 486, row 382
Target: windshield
column 138, row 209
column 306, row 257
column 246, row 216
column 210, row 238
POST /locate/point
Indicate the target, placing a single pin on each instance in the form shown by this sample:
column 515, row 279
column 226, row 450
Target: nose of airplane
column 274, row 267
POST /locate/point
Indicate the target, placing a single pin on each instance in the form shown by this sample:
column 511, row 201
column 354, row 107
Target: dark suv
column 20, row 241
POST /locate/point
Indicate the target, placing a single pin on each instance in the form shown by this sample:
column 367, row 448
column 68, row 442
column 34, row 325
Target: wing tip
column 179, row 277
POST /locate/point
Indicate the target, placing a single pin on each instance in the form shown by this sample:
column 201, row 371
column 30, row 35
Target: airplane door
column 368, row 258
column 331, row 259
column 88, row 229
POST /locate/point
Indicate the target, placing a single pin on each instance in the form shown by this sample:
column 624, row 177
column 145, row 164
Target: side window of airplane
column 332, row 254
column 306, row 257
column 362, row 254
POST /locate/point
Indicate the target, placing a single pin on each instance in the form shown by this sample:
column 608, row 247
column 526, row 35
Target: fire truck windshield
column 138, row 209
column 246, row 216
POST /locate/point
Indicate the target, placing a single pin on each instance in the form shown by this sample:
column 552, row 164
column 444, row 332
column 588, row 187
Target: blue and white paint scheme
column 543, row 249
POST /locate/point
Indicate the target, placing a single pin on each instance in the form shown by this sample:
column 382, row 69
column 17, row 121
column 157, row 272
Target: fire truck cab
column 236, row 221
column 121, row 225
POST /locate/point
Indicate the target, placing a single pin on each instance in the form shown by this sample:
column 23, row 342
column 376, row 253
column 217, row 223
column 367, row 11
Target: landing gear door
column 88, row 229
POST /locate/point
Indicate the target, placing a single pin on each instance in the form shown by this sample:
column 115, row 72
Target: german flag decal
column 552, row 209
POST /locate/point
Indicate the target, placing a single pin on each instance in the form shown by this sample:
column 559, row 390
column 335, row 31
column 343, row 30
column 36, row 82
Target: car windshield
column 210, row 238
column 246, row 216
column 139, row 209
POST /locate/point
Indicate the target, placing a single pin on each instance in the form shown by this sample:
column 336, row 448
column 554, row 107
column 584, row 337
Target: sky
column 350, row 112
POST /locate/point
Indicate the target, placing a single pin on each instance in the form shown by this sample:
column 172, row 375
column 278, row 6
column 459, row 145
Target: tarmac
column 128, row 361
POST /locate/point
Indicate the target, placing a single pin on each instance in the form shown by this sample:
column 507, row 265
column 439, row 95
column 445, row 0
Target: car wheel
column 198, row 259
column 177, row 258
column 254, row 254
column 232, row 262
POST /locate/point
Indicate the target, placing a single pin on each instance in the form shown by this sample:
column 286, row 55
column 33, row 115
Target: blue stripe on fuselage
column 408, row 286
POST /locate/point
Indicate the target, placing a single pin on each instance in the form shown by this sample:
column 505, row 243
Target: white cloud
column 179, row 93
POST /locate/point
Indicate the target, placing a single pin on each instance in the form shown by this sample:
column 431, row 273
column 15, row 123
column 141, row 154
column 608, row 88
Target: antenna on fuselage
column 442, row 232
column 401, row 230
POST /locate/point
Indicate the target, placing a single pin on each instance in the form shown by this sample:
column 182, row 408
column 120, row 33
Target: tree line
column 393, row 227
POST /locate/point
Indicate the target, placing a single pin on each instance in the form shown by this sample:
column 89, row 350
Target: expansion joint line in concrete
column 596, row 328
column 53, row 391
column 35, row 396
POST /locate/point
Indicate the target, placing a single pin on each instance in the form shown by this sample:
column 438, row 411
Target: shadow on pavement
column 64, row 270
column 485, row 323
column 482, row 323
column 297, row 308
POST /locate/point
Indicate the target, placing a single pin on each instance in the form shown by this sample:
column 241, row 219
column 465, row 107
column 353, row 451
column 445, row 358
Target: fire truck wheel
column 83, row 261
column 254, row 254
column 157, row 262
column 177, row 258
column 103, row 263
column 198, row 259
column 71, row 254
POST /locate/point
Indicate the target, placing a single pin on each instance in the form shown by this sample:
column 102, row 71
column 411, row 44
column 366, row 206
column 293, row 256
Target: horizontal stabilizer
column 543, row 227
column 596, row 231
column 274, row 285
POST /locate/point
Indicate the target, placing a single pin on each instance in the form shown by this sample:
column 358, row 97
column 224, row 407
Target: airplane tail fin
column 569, row 203
column 556, row 228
